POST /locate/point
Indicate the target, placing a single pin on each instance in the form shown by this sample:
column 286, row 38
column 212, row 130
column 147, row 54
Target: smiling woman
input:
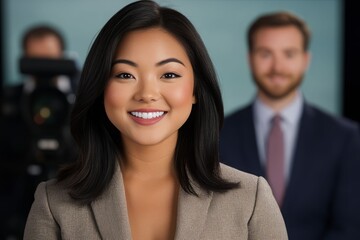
column 151, row 74
column 146, row 119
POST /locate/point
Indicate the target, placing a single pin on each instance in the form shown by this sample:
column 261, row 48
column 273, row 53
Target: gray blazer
column 248, row 212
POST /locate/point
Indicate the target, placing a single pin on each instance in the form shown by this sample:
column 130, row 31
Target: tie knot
column 276, row 119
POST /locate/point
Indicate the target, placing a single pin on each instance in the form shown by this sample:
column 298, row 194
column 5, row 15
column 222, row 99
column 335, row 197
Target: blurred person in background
column 40, row 41
column 310, row 158
column 43, row 41
column 18, row 175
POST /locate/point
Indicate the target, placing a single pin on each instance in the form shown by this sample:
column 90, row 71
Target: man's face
column 278, row 61
column 45, row 47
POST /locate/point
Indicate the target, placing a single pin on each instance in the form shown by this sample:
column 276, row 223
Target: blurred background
column 31, row 152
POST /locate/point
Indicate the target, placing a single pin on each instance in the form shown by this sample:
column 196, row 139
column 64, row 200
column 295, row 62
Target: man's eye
column 170, row 75
column 290, row 55
column 265, row 54
column 124, row 76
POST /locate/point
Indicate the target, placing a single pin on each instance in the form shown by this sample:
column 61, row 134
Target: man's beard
column 276, row 94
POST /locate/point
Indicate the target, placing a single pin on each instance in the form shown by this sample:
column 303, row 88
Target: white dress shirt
column 290, row 123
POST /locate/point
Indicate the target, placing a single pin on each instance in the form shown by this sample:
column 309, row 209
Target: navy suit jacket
column 322, row 199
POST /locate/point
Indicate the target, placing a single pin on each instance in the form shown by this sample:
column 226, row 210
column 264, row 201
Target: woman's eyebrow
column 124, row 61
column 131, row 63
column 169, row 60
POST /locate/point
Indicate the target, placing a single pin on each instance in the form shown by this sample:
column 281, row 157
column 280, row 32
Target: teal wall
column 221, row 23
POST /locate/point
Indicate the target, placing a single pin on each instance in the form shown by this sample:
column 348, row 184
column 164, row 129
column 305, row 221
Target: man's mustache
column 278, row 74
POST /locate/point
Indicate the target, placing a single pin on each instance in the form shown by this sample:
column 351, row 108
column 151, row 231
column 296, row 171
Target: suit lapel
column 301, row 159
column 110, row 210
column 249, row 143
column 192, row 214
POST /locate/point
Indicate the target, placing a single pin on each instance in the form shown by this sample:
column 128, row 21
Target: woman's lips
column 147, row 117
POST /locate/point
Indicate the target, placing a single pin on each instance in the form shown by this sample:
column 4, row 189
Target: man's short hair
column 279, row 19
column 41, row 31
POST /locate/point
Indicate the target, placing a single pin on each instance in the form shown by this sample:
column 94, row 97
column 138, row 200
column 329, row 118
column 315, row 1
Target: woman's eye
column 124, row 76
column 170, row 75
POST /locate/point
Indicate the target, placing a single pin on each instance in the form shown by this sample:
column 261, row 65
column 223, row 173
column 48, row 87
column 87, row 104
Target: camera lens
column 48, row 108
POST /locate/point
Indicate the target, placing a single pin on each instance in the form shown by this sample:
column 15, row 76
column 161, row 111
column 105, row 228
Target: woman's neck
column 151, row 189
column 148, row 162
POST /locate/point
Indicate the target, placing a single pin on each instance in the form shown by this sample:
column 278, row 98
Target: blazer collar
column 110, row 210
column 111, row 216
column 192, row 213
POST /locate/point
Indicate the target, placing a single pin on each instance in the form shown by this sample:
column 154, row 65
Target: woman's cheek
column 182, row 95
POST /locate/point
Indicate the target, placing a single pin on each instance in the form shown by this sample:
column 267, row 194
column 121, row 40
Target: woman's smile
column 147, row 117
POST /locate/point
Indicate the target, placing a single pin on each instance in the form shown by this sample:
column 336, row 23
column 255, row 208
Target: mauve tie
column 275, row 159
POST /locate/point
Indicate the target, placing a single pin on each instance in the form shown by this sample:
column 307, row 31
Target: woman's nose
column 148, row 90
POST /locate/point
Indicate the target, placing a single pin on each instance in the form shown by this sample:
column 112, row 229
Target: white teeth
column 147, row 115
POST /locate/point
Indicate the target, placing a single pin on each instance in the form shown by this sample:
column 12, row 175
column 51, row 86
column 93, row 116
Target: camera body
column 46, row 106
column 42, row 106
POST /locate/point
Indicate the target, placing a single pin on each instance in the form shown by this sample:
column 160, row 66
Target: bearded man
column 310, row 158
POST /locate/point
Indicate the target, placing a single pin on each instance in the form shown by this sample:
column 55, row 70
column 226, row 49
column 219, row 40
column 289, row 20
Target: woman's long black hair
column 99, row 141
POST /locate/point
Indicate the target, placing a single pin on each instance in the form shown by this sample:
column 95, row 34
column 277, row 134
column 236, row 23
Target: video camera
column 49, row 92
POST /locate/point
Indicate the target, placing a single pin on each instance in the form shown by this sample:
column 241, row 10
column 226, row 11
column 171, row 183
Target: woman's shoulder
column 54, row 212
column 235, row 175
column 248, row 182
column 53, row 196
column 53, row 187
column 254, row 202
column 56, row 194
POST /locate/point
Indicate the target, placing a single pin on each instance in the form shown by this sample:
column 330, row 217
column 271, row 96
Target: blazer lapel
column 110, row 210
column 192, row 213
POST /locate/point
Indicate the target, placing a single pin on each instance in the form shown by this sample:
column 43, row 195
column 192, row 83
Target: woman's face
column 150, row 93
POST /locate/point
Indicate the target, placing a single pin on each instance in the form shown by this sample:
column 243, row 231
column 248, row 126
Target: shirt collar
column 291, row 113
